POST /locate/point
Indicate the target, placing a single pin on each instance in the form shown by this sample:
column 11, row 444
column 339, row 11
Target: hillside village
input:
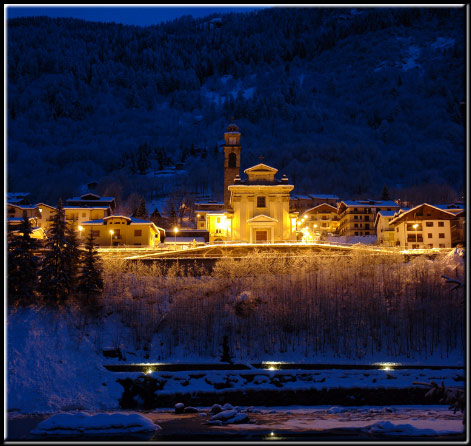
column 258, row 208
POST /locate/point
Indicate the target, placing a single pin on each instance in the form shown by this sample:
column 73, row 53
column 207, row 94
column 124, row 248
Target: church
column 256, row 208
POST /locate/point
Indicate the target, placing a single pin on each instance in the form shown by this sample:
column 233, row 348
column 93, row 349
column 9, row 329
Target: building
column 384, row 231
column 14, row 223
column 260, row 207
column 302, row 203
column 18, row 198
column 202, row 209
column 358, row 217
column 46, row 214
column 18, row 211
column 423, row 227
column 118, row 230
column 255, row 209
column 91, row 200
column 77, row 215
column 320, row 220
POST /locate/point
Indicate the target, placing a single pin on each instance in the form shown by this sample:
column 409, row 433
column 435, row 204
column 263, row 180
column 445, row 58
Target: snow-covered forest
column 355, row 307
column 344, row 101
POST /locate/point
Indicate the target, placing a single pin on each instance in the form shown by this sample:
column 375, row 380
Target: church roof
column 261, row 168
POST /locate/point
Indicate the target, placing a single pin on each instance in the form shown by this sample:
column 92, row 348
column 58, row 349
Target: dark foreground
column 303, row 424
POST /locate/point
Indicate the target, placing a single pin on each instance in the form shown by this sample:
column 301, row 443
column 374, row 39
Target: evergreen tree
column 90, row 282
column 141, row 211
column 23, row 265
column 55, row 277
column 385, row 195
column 72, row 254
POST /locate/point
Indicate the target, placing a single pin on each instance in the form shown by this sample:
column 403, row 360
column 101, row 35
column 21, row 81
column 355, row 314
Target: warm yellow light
column 111, row 232
column 415, row 226
column 175, row 229
column 198, row 215
column 80, row 228
column 148, row 371
column 40, row 210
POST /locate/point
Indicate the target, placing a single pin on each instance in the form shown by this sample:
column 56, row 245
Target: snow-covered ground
column 273, row 423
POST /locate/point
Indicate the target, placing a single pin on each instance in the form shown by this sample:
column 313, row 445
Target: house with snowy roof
column 119, row 230
column 384, row 231
column 320, row 219
column 423, row 227
column 91, row 200
column 357, row 217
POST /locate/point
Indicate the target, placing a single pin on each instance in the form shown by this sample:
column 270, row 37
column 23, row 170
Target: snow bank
column 103, row 424
column 386, row 427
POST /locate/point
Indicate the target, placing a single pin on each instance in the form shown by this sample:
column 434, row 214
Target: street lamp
column 175, row 230
column 111, row 237
column 80, row 228
column 415, row 229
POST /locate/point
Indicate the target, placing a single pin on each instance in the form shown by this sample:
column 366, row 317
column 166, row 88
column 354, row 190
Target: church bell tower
column 232, row 150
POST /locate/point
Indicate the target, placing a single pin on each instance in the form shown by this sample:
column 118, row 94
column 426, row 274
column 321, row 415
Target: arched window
column 232, row 160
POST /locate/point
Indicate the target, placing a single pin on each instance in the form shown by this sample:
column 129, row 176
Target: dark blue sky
column 128, row 15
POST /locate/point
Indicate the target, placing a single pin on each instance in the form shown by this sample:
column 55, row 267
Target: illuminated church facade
column 256, row 208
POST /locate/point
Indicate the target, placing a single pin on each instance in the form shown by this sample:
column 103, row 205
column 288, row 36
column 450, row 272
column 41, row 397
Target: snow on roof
column 369, row 203
column 301, row 197
column 387, row 213
column 324, row 196
column 400, row 215
column 90, row 199
column 86, row 207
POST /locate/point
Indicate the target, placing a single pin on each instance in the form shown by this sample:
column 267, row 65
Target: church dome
column 232, row 127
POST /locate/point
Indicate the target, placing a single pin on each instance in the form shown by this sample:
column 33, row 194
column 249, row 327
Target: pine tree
column 56, row 282
column 385, row 195
column 141, row 211
column 90, row 283
column 23, row 265
column 72, row 254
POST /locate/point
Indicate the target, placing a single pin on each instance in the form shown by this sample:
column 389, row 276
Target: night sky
column 128, row 15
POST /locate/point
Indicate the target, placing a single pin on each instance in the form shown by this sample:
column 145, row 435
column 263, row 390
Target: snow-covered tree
column 23, row 265
column 90, row 281
column 56, row 274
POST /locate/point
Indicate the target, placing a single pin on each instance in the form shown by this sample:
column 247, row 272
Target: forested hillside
column 343, row 101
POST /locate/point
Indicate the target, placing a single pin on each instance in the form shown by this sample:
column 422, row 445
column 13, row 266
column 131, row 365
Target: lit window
column 261, row 203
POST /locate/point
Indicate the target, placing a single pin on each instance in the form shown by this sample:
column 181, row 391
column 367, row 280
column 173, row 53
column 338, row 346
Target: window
column 355, row 217
column 441, row 245
column 261, row 202
column 84, row 214
column 441, row 224
column 95, row 233
column 441, row 235
column 429, row 235
column 429, row 224
column 232, row 160
column 355, row 225
column 137, row 232
column 430, row 246
column 356, row 233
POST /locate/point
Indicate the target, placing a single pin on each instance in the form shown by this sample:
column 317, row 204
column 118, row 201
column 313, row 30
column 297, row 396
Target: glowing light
column 415, row 226
column 386, row 366
column 80, row 228
column 148, row 371
column 307, row 236
column 111, row 232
